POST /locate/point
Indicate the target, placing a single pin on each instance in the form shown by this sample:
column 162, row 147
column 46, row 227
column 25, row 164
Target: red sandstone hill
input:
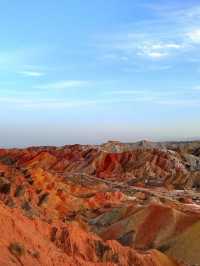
column 114, row 204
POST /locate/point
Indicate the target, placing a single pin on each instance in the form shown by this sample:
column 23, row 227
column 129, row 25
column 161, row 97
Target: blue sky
column 90, row 71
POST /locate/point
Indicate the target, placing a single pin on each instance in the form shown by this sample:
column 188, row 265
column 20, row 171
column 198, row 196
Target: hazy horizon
column 49, row 139
column 93, row 71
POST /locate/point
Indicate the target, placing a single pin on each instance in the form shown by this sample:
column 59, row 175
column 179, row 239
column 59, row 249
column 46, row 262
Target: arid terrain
column 111, row 204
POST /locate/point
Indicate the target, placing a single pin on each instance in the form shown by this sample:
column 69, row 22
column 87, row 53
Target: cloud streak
column 63, row 84
column 131, row 97
column 31, row 73
column 62, row 104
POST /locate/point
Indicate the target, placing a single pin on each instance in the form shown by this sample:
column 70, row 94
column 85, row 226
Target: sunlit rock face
column 113, row 204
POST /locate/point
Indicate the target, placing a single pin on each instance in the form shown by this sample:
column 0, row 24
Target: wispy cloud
column 44, row 103
column 194, row 35
column 117, row 97
column 31, row 73
column 126, row 92
column 180, row 102
column 157, row 50
column 134, row 45
column 159, row 38
column 58, row 103
column 196, row 88
column 157, row 55
column 63, row 84
column 153, row 94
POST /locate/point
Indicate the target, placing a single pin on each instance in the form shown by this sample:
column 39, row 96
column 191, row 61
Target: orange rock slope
column 114, row 204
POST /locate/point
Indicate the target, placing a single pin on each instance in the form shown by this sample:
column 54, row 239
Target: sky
column 96, row 70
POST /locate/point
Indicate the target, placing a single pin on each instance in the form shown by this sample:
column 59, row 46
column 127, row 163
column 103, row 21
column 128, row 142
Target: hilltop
column 110, row 204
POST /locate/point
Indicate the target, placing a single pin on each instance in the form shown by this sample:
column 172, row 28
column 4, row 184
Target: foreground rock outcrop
column 114, row 204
